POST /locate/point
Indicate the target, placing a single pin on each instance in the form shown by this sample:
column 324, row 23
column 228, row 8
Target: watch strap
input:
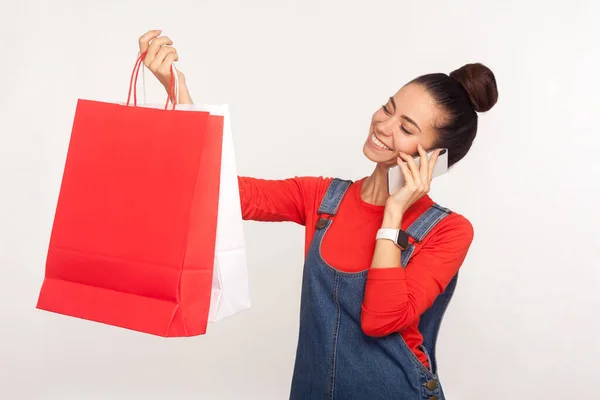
column 398, row 236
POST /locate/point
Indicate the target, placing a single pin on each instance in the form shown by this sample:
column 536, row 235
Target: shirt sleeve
column 395, row 298
column 286, row 200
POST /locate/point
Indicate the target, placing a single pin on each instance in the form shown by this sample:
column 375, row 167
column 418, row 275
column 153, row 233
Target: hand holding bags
column 134, row 237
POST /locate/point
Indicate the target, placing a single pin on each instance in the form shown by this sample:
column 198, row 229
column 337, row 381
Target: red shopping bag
column 133, row 239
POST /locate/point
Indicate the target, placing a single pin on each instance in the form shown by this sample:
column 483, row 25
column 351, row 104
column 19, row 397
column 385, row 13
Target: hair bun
column 479, row 83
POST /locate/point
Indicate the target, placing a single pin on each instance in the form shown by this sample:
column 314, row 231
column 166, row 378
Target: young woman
column 379, row 270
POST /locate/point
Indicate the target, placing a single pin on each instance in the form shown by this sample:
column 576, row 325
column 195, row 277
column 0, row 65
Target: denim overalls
column 335, row 360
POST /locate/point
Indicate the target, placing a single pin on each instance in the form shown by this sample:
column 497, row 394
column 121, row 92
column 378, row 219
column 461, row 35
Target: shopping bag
column 134, row 233
column 230, row 289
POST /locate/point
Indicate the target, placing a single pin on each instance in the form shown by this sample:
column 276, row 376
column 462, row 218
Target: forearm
column 396, row 296
column 387, row 254
column 386, row 307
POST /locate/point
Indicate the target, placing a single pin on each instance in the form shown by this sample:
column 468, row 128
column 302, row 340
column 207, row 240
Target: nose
column 384, row 128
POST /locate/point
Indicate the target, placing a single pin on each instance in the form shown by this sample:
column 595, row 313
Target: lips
column 379, row 143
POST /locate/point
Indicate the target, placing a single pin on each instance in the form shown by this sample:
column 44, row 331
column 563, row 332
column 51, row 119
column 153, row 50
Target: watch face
column 402, row 239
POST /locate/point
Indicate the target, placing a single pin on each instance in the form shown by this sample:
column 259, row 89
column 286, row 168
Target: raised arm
column 261, row 199
column 395, row 297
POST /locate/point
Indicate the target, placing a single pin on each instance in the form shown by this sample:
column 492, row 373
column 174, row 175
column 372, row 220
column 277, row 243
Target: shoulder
column 314, row 189
column 317, row 184
column 311, row 186
column 455, row 229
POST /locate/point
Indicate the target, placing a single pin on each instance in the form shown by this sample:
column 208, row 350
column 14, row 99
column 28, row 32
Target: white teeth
column 378, row 142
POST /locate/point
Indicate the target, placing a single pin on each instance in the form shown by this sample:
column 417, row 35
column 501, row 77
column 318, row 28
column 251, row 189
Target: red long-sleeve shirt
column 394, row 297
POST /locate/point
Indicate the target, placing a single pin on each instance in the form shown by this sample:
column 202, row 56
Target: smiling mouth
column 379, row 143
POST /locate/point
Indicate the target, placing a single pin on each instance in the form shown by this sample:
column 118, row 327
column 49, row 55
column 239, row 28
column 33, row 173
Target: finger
column 412, row 166
column 408, row 178
column 165, row 67
column 432, row 161
column 144, row 40
column 155, row 45
column 160, row 57
column 424, row 164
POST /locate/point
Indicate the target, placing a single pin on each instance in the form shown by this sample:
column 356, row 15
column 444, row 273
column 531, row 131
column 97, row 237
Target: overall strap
column 431, row 319
column 332, row 199
column 419, row 229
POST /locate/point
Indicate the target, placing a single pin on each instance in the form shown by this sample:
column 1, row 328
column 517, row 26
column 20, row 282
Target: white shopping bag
column 230, row 288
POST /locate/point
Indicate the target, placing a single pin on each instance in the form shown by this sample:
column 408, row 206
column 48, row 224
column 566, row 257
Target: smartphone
column 396, row 178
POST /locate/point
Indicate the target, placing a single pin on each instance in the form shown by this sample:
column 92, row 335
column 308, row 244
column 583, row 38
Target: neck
column 374, row 188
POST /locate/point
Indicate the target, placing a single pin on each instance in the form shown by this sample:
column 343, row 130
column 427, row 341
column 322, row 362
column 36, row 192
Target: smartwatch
column 398, row 236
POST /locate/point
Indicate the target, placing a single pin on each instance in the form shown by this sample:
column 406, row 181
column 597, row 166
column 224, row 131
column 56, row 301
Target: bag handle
column 173, row 93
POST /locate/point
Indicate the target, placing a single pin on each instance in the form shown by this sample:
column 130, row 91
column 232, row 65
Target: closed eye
column 385, row 109
column 405, row 130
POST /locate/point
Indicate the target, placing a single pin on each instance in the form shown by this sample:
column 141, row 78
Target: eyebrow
column 410, row 120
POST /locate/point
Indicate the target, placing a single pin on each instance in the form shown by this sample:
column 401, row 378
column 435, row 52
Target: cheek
column 406, row 143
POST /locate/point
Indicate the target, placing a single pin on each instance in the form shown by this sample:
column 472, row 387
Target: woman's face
column 407, row 119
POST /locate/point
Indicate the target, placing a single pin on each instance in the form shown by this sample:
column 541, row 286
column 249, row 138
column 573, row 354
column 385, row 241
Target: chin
column 377, row 158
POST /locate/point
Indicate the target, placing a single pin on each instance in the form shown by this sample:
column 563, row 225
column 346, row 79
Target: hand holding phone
column 396, row 179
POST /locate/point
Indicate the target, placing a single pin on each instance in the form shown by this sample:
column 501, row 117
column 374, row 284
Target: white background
column 302, row 79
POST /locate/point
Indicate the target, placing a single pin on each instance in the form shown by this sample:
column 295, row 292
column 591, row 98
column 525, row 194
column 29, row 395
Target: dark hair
column 462, row 94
